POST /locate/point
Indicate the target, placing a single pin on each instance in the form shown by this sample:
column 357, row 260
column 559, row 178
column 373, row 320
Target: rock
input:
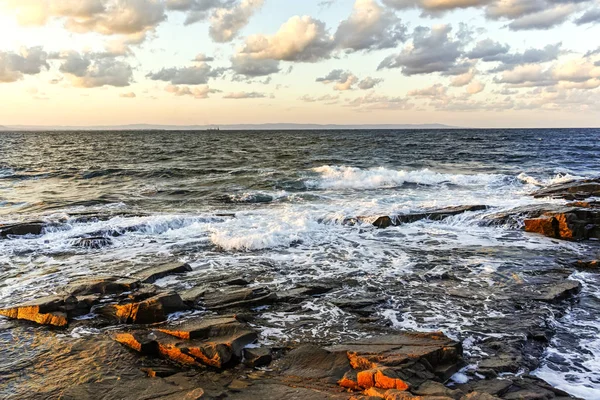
column 496, row 387
column 556, row 292
column 153, row 274
column 574, row 224
column 51, row 310
column 149, row 311
column 160, row 372
column 195, row 295
column 237, row 282
column 134, row 389
column 499, row 364
column 22, row 229
column 102, row 286
column 257, row 357
column 356, row 303
column 432, row 388
column 245, row 297
column 433, row 215
column 573, row 190
column 385, row 362
column 93, row 242
column 205, row 328
column 298, row 294
column 215, row 351
column 479, row 396
column 584, row 204
column 593, row 264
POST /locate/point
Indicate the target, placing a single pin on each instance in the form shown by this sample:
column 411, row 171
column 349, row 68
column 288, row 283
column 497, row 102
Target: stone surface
column 574, row 224
column 153, row 274
column 49, row 310
column 434, row 215
column 556, row 292
column 22, row 229
column 102, row 286
column 574, row 190
column 592, row 264
column 149, row 311
column 257, row 357
column 243, row 297
column 93, row 242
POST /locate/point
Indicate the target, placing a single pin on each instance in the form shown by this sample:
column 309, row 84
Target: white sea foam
column 344, row 177
column 557, row 179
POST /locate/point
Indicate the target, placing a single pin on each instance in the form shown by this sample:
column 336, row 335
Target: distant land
column 241, row 127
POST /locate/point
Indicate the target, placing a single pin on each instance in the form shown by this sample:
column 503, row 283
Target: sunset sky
column 475, row 63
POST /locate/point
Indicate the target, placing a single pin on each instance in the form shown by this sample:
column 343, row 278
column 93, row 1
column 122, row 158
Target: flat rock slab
column 149, row 311
column 574, row 224
column 50, row 310
column 102, row 286
column 243, row 297
column 214, row 351
column 205, row 328
column 153, row 274
column 434, row 215
column 556, row 292
column 574, row 190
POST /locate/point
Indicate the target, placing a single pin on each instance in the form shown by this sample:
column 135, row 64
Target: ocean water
column 272, row 205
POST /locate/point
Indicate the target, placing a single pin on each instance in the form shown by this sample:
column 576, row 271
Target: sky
column 471, row 63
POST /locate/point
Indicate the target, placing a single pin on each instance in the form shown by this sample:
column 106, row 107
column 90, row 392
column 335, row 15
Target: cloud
column 437, row 90
column 90, row 70
column 369, row 83
column 246, row 65
column 226, row 23
column 591, row 16
column 379, row 102
column 197, row 10
column 196, row 75
column 487, row 48
column 29, row 61
column 343, row 80
column 463, row 79
column 545, row 19
column 201, row 92
column 370, row 27
column 299, row 39
column 572, row 74
column 527, row 75
column 129, row 95
column 475, row 87
column 245, row 95
column 432, row 50
column 327, row 98
column 203, row 58
column 435, row 6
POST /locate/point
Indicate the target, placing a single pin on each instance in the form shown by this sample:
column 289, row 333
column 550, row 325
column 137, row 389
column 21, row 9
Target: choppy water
column 290, row 192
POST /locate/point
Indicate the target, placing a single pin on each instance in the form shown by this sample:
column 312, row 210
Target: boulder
column 257, row 357
column 573, row 224
column 51, row 310
column 152, row 310
column 22, row 229
column 556, row 291
column 573, row 190
column 593, row 264
column 194, row 296
column 153, row 274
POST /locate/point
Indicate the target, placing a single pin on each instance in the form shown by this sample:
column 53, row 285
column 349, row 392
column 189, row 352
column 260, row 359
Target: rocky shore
column 215, row 350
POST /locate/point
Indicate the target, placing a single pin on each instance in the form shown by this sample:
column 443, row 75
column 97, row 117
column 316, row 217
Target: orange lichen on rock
column 45, row 311
column 547, row 226
column 360, row 363
column 172, row 352
column 386, row 378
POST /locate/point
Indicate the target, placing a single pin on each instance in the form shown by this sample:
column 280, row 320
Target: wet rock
column 500, row 363
column 93, row 243
column 556, row 292
column 51, row 310
column 216, row 351
column 496, row 387
column 149, row 311
column 357, row 303
column 574, row 224
column 584, row 204
column 298, row 294
column 432, row 388
column 205, row 328
column 135, row 389
column 257, row 357
column 153, row 274
column 479, row 396
column 245, row 297
column 386, row 362
column 193, row 296
column 593, row 264
column 574, row 190
column 102, row 286
column 160, row 372
column 22, row 229
column 433, row 215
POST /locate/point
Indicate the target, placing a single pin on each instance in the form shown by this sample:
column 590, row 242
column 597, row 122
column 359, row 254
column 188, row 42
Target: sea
column 275, row 205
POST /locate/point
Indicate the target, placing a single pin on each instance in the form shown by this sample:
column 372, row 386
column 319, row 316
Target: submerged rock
column 434, row 215
column 573, row 190
column 22, row 229
column 93, row 242
column 51, row 310
column 153, row 274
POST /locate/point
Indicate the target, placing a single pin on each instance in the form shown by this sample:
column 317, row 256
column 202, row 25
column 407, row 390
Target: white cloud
column 29, row 61
column 226, row 23
column 201, row 92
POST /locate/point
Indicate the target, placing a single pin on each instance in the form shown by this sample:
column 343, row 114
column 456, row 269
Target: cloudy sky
column 478, row 63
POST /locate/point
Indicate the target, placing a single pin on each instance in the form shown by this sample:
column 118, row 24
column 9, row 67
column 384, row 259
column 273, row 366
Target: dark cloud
column 90, row 70
column 433, row 50
column 196, row 75
column 589, row 17
column 28, row 62
column 369, row 83
column 529, row 56
column 487, row 48
column 247, row 66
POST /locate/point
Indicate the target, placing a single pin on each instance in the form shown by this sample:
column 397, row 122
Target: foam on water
column 346, row 177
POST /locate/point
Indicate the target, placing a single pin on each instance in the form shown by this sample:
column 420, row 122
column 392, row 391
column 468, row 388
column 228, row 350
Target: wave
column 557, row 179
column 344, row 177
